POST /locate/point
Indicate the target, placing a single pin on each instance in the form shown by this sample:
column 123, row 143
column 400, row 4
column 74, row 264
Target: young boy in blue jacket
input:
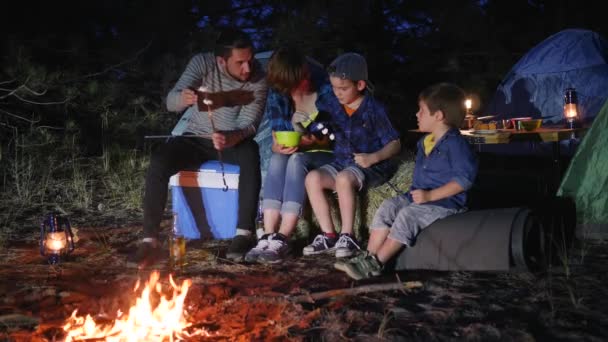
column 445, row 169
column 365, row 140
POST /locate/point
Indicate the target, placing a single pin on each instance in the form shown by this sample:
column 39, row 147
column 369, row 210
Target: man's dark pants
column 181, row 153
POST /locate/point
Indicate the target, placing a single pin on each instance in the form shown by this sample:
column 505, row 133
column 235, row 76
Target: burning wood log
column 154, row 317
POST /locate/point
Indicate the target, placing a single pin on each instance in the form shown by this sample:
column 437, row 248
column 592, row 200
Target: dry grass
column 43, row 173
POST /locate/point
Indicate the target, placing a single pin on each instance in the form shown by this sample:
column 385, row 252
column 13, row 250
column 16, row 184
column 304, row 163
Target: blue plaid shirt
column 452, row 159
column 278, row 105
column 367, row 130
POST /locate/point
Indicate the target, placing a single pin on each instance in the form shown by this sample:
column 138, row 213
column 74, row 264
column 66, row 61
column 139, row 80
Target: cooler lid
column 214, row 166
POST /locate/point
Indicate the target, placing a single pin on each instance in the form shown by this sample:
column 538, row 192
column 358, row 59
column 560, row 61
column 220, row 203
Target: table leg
column 557, row 167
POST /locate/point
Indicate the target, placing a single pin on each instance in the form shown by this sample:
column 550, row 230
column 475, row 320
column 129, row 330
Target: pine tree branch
column 112, row 67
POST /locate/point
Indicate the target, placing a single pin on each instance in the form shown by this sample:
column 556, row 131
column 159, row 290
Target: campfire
column 154, row 317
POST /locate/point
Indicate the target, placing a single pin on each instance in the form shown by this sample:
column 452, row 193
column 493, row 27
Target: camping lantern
column 468, row 104
column 469, row 118
column 56, row 238
column 571, row 108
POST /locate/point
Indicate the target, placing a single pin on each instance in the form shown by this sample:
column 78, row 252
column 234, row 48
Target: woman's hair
column 448, row 98
column 286, row 69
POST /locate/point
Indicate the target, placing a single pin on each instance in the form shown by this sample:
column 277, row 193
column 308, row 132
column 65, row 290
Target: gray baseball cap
column 351, row 66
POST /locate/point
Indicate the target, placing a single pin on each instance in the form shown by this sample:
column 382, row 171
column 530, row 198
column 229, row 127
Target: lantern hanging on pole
column 56, row 238
column 571, row 108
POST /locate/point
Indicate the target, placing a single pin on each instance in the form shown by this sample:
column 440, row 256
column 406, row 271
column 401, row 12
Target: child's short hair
column 286, row 69
column 349, row 66
column 448, row 98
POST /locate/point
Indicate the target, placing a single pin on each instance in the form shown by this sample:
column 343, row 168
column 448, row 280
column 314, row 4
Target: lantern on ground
column 571, row 108
column 56, row 238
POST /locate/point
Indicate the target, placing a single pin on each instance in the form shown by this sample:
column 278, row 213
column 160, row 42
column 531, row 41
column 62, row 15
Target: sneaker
column 346, row 246
column 253, row 255
column 276, row 251
column 362, row 266
column 321, row 244
column 147, row 254
column 239, row 246
column 339, row 264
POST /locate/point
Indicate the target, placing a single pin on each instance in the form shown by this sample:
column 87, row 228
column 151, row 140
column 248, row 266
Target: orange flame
column 165, row 322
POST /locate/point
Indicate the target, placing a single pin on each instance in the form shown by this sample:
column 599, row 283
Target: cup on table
column 506, row 124
column 515, row 122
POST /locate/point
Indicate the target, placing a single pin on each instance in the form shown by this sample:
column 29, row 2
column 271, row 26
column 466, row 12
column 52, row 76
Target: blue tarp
column 536, row 83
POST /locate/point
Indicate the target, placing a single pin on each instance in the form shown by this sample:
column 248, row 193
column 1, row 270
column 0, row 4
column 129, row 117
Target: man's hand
column 188, row 97
column 364, row 160
column 420, row 196
column 223, row 140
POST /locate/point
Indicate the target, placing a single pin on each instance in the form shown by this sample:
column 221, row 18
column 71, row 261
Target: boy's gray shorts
column 406, row 219
column 366, row 177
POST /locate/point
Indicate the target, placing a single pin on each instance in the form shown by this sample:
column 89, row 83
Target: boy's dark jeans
column 181, row 153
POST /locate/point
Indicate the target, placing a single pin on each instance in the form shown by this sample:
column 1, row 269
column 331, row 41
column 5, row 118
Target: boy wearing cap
column 445, row 169
column 364, row 142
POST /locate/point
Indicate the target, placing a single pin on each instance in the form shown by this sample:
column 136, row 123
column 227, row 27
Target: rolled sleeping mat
column 505, row 239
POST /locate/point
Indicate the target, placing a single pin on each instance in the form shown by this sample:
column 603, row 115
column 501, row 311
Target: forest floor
column 241, row 302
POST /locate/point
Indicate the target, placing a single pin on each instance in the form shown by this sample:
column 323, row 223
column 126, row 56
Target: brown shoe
column 240, row 245
column 147, row 254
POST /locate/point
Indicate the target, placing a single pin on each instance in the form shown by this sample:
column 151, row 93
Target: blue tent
column 535, row 85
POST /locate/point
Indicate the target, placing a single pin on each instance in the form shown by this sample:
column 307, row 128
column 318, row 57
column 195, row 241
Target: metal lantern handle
column 43, row 224
column 68, row 233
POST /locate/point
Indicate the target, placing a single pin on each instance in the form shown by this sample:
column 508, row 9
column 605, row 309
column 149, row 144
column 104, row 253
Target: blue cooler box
column 202, row 206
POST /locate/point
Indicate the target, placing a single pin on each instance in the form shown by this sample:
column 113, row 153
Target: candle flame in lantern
column 468, row 103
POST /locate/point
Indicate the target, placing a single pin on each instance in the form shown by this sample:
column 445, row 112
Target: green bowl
column 530, row 125
column 288, row 138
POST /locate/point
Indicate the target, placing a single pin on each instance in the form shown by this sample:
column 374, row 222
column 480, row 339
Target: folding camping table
column 551, row 135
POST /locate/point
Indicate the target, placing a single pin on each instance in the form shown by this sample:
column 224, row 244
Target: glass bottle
column 177, row 246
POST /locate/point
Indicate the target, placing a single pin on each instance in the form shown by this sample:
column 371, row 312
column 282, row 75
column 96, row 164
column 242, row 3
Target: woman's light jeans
column 284, row 183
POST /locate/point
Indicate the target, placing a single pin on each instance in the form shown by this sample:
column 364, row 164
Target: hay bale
column 367, row 204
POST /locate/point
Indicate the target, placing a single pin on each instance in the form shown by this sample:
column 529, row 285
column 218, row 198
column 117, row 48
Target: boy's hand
column 420, row 196
column 307, row 140
column 364, row 160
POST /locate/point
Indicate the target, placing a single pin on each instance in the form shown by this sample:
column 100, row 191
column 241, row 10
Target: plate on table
column 484, row 131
